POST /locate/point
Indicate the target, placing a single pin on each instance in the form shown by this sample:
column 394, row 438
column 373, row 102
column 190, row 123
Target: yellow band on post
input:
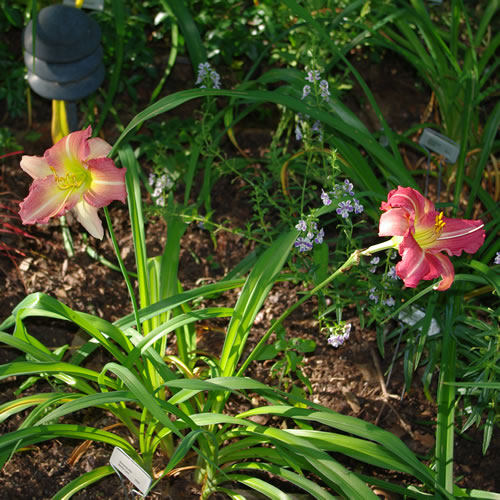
column 60, row 127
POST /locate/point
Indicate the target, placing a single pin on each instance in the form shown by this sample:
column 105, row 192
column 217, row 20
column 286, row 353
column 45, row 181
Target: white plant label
column 414, row 315
column 440, row 144
column 87, row 4
column 121, row 462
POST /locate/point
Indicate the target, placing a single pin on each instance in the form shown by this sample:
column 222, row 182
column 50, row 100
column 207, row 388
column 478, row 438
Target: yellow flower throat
column 426, row 237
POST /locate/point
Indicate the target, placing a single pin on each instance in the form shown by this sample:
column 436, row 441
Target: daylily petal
column 447, row 272
column 108, row 183
column 88, row 218
column 68, row 154
column 415, row 264
column 98, row 148
column 46, row 200
column 394, row 222
column 459, row 235
column 36, row 166
column 409, row 199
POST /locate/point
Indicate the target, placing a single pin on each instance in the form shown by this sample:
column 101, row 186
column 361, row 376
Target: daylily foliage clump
column 74, row 174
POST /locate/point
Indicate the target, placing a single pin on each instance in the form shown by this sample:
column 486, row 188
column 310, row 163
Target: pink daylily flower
column 423, row 237
column 74, row 174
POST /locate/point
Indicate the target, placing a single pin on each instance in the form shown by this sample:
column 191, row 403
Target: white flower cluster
column 160, row 185
column 339, row 334
column 313, row 235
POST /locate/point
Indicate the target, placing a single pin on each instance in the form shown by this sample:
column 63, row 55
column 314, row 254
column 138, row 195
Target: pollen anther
column 440, row 223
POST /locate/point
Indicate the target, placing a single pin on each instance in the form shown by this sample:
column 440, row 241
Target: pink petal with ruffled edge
column 409, row 199
column 88, row 218
column 99, row 148
column 447, row 272
column 459, row 235
column 108, row 183
column 36, row 166
column 68, row 154
column 46, row 200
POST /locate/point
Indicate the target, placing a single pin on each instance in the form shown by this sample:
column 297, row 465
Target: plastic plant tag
column 87, row 4
column 440, row 144
column 121, row 462
column 413, row 315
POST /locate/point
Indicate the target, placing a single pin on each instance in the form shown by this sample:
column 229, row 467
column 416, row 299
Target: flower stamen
column 440, row 223
column 69, row 181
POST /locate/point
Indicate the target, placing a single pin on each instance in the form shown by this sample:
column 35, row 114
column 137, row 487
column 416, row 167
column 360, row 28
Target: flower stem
column 123, row 270
column 353, row 260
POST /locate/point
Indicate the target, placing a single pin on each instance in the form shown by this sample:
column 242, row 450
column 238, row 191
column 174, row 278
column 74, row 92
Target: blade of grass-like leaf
column 170, row 303
column 174, row 46
column 359, row 449
column 263, row 487
column 44, row 305
column 299, row 481
column 465, row 120
column 60, row 369
column 359, row 136
column 21, row 345
column 489, row 274
column 134, row 199
column 17, row 405
column 190, row 31
column 143, row 395
column 32, row 435
column 83, row 481
column 491, row 7
column 352, row 426
column 399, row 490
column 322, row 463
column 252, row 296
column 488, row 138
column 92, row 400
column 173, row 324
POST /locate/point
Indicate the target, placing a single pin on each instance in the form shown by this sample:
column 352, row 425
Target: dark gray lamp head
column 65, row 62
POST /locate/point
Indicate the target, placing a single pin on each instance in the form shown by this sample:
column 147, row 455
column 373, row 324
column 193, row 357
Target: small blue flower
column 345, row 208
column 306, row 91
column 298, row 133
column 358, row 208
column 325, row 198
column 375, row 260
column 392, row 273
column 348, row 187
column 303, row 244
column 313, row 75
column 204, row 70
column 336, row 340
column 215, row 77
column 301, row 226
column 390, row 301
column 319, row 237
column 323, row 89
column 373, row 296
column 316, row 126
